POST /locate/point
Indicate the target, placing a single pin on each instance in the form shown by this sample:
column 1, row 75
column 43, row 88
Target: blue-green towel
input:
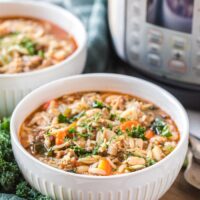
column 9, row 197
column 93, row 14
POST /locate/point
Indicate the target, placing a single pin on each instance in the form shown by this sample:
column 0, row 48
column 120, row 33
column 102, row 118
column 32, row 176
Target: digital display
column 171, row 14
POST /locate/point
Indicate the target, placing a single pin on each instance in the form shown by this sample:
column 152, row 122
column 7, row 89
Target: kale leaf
column 29, row 45
column 11, row 180
column 23, row 190
column 97, row 104
column 137, row 132
column 63, row 119
column 161, row 128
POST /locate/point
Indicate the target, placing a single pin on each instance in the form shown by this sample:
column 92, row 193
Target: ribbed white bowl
column 14, row 87
column 147, row 184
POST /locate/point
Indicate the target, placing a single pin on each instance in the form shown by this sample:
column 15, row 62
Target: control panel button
column 136, row 9
column 154, row 48
column 197, row 67
column 198, row 42
column 179, row 43
column 178, row 66
column 135, row 38
column 154, row 60
column 155, row 36
column 134, row 54
column 178, row 54
column 198, row 57
column 136, row 26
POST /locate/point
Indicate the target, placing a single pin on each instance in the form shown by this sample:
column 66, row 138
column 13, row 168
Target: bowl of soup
column 40, row 42
column 100, row 136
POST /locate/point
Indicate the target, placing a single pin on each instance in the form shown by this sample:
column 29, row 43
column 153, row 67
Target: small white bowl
column 149, row 183
column 13, row 87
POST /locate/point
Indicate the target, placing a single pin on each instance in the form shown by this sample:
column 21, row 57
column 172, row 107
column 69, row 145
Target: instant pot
column 161, row 40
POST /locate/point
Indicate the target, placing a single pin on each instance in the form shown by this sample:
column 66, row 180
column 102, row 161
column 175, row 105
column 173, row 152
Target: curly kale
column 23, row 190
column 11, row 180
column 9, row 171
column 5, row 143
column 9, row 175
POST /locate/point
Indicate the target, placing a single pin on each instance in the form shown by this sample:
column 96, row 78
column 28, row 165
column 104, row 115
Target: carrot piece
column 105, row 165
column 149, row 134
column 128, row 125
column 60, row 136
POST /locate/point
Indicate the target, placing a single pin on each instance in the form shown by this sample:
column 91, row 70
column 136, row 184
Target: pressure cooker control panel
column 163, row 38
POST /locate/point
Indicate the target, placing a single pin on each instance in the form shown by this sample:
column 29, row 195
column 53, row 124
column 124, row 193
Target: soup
column 28, row 44
column 99, row 133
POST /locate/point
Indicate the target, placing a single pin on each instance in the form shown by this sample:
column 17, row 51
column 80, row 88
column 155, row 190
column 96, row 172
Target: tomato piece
column 53, row 103
column 46, row 105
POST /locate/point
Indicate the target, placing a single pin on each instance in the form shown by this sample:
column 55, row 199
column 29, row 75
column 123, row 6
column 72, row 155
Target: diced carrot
column 105, row 165
column 128, row 125
column 60, row 136
column 62, row 133
column 149, row 134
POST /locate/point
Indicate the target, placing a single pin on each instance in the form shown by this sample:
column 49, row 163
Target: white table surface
column 194, row 118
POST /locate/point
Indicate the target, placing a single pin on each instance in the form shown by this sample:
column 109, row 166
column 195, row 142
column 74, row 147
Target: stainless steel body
column 157, row 41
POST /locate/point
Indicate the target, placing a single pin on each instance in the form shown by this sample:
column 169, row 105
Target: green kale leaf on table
column 11, row 179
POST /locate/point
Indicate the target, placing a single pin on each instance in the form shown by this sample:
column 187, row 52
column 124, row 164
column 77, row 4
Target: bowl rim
column 67, row 14
column 15, row 139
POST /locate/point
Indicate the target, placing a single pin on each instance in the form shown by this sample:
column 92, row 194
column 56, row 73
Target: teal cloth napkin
column 9, row 197
column 93, row 14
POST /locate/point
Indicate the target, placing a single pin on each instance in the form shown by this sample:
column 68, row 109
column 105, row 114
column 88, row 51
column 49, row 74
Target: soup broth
column 99, row 133
column 28, row 44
